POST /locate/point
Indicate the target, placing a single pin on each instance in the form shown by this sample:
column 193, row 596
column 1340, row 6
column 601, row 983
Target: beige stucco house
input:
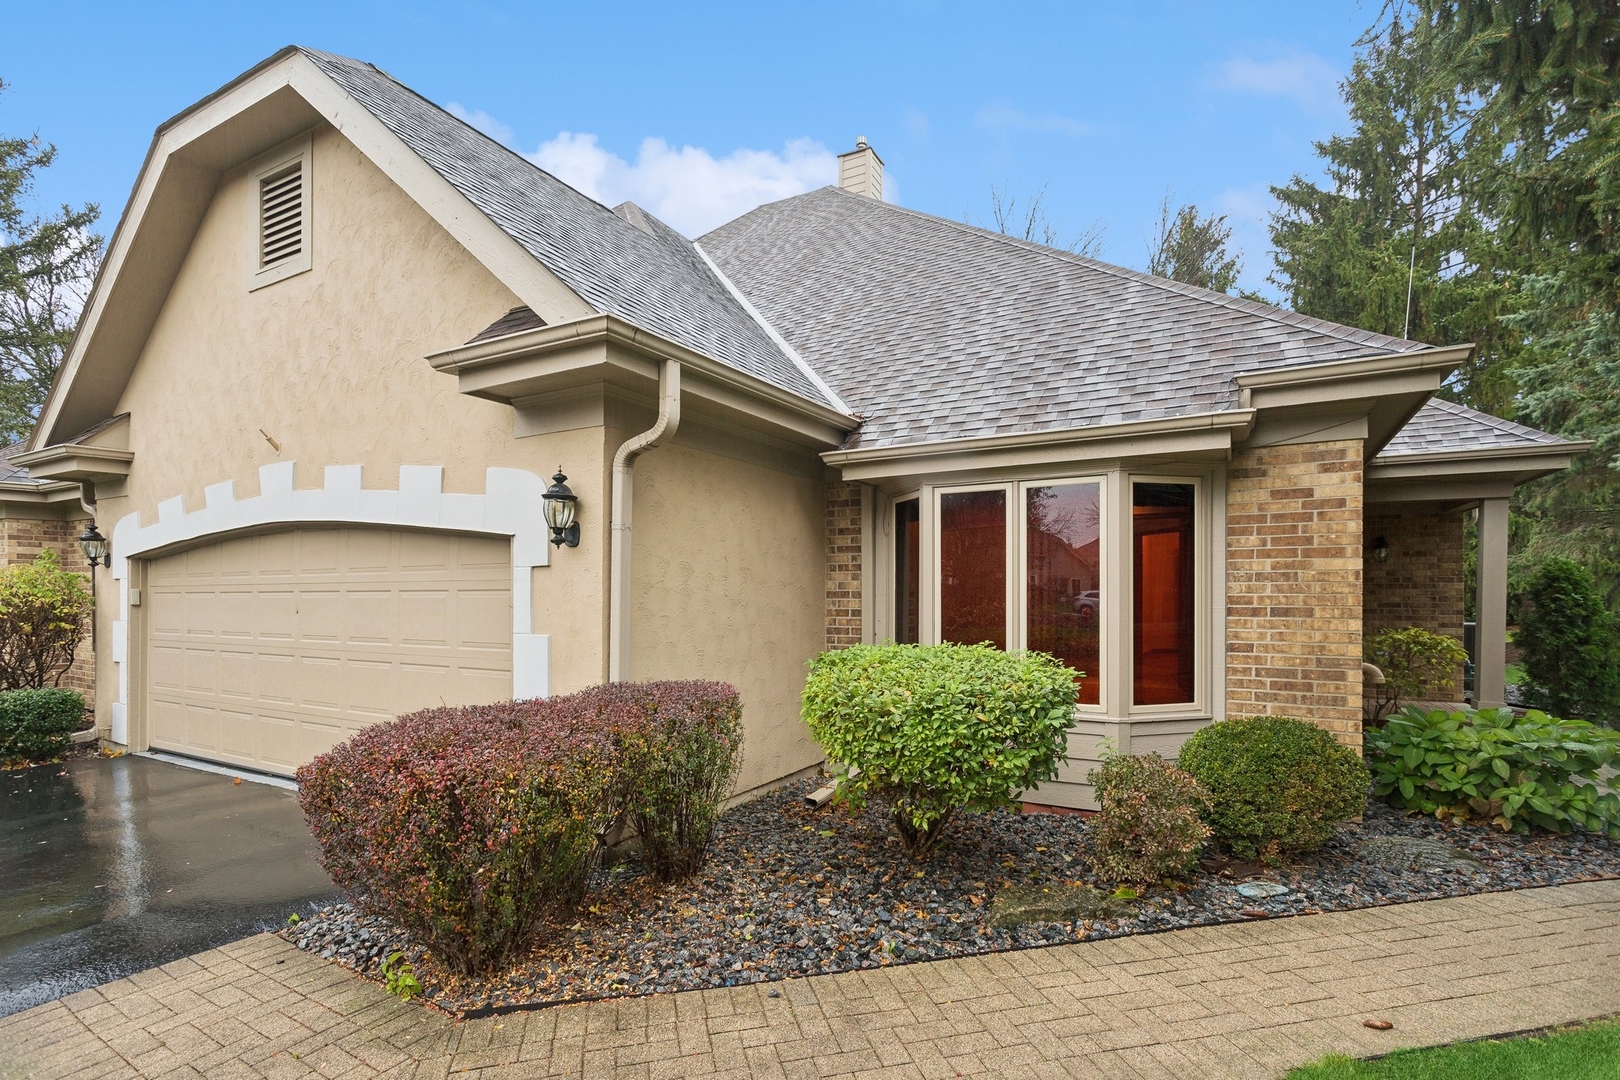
column 342, row 341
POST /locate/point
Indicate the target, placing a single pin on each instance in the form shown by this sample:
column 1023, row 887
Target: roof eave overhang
column 1208, row 435
column 1387, row 389
column 77, row 463
column 522, row 369
column 1466, row 475
column 277, row 100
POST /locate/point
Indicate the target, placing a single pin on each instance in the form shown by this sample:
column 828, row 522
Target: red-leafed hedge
column 470, row 826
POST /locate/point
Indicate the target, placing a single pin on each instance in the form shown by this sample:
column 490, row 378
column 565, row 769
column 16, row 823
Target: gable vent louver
column 281, row 215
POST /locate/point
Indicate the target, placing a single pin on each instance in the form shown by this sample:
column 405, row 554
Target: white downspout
column 669, row 419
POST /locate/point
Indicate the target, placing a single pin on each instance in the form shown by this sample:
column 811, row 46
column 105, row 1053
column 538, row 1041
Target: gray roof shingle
column 1446, row 427
column 931, row 329
column 651, row 277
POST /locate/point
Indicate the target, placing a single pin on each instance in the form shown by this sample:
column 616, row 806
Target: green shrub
column 1276, row 785
column 36, row 725
column 44, row 612
column 1514, row 772
column 1415, row 663
column 937, row 729
column 1569, row 644
column 1147, row 827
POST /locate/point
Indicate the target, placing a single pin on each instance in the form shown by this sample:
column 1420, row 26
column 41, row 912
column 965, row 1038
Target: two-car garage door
column 265, row 650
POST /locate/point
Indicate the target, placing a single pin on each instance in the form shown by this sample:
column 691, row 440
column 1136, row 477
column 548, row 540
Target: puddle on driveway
column 109, row 867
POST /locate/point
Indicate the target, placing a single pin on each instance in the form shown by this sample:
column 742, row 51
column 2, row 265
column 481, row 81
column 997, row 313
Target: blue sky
column 698, row 112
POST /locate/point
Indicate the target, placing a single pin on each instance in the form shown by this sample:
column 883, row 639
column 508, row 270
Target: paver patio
column 1248, row 1000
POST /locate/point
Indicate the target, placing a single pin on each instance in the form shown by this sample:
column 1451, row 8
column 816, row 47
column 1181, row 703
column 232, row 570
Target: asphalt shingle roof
column 931, row 329
column 1446, row 427
column 651, row 277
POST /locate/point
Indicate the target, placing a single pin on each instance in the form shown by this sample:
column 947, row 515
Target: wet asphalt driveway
column 109, row 867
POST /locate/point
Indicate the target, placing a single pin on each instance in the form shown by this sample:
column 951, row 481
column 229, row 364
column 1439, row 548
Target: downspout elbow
column 619, row 555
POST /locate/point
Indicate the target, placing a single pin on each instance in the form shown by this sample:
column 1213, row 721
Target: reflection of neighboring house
column 341, row 340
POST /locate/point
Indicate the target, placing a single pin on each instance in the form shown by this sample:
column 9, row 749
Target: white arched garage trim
column 510, row 506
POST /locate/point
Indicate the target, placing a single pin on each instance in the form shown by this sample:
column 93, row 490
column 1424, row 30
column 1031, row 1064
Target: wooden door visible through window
column 1063, row 590
column 1162, row 626
column 973, row 567
column 907, row 574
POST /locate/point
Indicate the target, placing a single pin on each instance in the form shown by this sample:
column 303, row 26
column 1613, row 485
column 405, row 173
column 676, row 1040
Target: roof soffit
column 282, row 97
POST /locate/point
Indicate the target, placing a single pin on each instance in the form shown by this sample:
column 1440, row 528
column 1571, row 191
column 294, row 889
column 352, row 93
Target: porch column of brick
column 1490, row 606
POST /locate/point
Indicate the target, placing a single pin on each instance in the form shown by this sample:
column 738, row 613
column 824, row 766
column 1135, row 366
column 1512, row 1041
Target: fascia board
column 1440, row 460
column 519, row 361
column 503, row 256
column 77, row 462
column 1364, row 373
column 1453, row 490
column 1199, row 434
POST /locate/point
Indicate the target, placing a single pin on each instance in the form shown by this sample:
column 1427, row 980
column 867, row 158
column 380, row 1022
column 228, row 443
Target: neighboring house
column 341, row 340
column 46, row 515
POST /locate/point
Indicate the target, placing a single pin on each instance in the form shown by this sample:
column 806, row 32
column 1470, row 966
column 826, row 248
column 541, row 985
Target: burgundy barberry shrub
column 1147, row 827
column 465, row 826
column 680, row 745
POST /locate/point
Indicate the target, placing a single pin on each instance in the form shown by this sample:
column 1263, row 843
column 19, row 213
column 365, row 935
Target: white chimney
column 861, row 170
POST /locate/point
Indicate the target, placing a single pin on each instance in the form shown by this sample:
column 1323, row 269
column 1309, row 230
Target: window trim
column 1202, row 569
column 301, row 152
column 933, row 538
column 1107, row 602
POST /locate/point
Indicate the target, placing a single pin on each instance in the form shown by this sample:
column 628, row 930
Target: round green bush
column 936, row 729
column 37, row 725
column 1276, row 785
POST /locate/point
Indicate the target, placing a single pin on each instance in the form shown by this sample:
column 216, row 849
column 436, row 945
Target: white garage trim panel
column 509, row 508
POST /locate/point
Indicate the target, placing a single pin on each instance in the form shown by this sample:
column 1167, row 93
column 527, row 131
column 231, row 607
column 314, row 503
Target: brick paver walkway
column 1229, row 1001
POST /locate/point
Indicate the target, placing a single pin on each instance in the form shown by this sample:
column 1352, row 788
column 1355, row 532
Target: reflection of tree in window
column 973, row 567
column 1162, row 631
column 1064, row 596
column 907, row 577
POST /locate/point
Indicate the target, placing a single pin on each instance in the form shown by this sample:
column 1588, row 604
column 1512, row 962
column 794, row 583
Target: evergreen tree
column 1192, row 249
column 47, row 263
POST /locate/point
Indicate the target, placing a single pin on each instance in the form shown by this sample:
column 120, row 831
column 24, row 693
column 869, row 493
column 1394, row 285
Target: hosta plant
column 934, row 730
column 1493, row 766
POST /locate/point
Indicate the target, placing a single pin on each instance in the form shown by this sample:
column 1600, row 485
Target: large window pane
column 973, row 567
column 1064, row 598
column 907, row 577
column 1162, row 516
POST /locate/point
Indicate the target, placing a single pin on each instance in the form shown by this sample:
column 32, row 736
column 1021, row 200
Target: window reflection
column 1061, row 564
column 1162, row 520
column 973, row 567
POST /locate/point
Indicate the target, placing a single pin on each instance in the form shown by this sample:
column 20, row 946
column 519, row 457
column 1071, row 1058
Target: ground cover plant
column 1148, row 825
column 1587, row 1052
column 1276, row 786
column 1416, row 664
column 934, row 730
column 471, row 827
column 37, row 725
column 789, row 891
column 1494, row 766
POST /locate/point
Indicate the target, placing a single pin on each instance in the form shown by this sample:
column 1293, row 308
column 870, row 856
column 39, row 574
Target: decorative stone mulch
column 791, row 891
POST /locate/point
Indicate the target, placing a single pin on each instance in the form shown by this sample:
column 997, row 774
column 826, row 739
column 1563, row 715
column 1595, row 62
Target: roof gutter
column 1495, row 453
column 1344, row 370
column 623, row 500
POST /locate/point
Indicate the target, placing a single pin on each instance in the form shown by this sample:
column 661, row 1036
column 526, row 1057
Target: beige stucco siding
column 329, row 364
column 728, row 584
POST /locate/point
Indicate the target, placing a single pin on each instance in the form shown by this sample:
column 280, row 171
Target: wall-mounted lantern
column 95, row 546
column 1380, row 550
column 561, row 505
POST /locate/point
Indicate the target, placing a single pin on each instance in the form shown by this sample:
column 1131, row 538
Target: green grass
column 1591, row 1052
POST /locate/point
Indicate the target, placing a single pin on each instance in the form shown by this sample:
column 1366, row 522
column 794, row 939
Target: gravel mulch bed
column 790, row 891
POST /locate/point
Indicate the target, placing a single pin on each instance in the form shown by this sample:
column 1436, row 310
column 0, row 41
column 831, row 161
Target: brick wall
column 21, row 540
column 1294, row 577
column 843, row 534
column 1423, row 583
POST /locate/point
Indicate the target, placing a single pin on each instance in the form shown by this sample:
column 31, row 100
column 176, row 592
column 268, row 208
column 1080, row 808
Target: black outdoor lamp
column 95, row 546
column 1380, row 550
column 560, row 506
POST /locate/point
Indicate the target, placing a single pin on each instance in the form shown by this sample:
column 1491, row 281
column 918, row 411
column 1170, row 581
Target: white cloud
column 1302, row 76
column 1004, row 117
column 688, row 187
column 481, row 120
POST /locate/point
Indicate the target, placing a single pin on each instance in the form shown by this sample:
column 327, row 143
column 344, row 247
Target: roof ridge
column 1270, row 312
